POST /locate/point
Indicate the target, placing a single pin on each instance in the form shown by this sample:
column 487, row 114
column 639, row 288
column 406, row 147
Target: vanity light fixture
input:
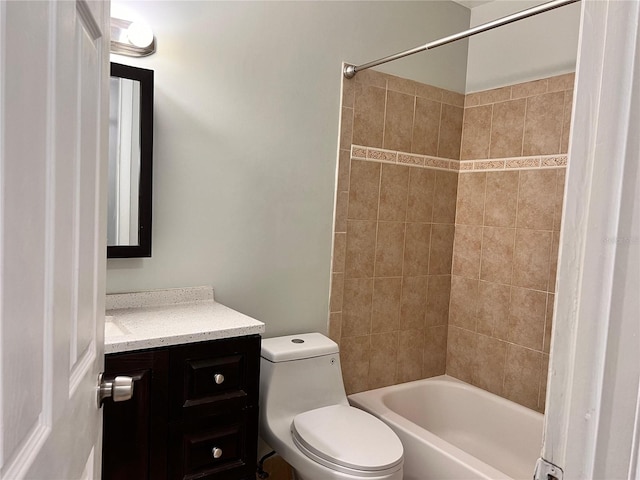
column 134, row 39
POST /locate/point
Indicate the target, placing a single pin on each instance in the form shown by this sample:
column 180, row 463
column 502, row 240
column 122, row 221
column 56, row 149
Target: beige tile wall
column 407, row 301
column 394, row 113
column 394, row 232
column 520, row 120
column 503, row 281
column 391, row 271
column 506, row 241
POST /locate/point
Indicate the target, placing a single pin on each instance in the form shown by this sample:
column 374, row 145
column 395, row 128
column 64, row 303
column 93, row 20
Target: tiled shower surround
column 446, row 232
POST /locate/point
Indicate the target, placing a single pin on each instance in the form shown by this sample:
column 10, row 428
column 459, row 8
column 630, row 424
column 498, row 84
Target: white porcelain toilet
column 306, row 418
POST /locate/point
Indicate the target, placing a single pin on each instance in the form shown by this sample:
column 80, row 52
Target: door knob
column 119, row 389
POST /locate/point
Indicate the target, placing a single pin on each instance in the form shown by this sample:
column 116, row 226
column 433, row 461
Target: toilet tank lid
column 296, row 347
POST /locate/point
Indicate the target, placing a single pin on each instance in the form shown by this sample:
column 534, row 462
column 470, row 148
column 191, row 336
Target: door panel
column 87, row 138
column 53, row 92
column 23, row 260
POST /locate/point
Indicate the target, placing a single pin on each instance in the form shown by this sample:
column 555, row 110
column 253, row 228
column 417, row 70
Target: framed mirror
column 130, row 162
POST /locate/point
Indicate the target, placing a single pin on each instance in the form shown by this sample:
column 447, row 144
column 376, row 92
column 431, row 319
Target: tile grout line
column 344, row 273
column 537, row 290
column 509, row 342
column 404, row 246
column 413, row 120
column 491, row 133
column 375, row 249
column 464, row 117
column 504, row 378
column 546, row 308
column 384, row 116
column 564, row 108
column 439, row 126
column 484, row 214
column 504, row 367
column 524, row 125
column 541, row 361
column 426, row 294
column 555, row 207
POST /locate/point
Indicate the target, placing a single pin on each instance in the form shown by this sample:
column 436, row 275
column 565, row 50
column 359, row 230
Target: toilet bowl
column 306, row 418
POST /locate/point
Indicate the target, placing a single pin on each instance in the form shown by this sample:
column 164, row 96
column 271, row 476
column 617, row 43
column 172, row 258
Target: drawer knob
column 216, row 452
column 218, row 378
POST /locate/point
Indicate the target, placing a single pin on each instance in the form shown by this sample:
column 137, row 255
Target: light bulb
column 140, row 34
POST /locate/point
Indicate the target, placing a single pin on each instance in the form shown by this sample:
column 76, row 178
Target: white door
column 53, row 109
column 592, row 425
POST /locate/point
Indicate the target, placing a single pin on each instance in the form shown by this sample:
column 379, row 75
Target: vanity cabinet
column 193, row 414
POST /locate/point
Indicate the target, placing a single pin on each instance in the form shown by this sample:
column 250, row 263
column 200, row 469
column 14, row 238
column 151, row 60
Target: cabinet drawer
column 212, row 451
column 214, row 377
column 211, row 378
column 215, row 448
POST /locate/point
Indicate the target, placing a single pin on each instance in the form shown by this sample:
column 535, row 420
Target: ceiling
column 472, row 3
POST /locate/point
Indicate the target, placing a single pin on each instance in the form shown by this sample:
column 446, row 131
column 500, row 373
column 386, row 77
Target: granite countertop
column 137, row 321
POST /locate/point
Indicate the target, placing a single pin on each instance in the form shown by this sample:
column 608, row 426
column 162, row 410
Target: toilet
column 306, row 418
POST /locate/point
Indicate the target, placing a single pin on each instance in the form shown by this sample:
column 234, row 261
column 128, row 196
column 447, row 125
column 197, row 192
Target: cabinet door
column 135, row 432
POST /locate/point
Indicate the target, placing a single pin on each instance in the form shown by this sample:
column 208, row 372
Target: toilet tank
column 299, row 373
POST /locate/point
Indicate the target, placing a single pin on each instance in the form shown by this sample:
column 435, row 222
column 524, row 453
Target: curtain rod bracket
column 349, row 71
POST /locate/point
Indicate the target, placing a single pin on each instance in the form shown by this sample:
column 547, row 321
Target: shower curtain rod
column 351, row 70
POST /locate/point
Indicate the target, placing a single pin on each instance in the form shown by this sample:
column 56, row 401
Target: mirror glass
column 130, row 157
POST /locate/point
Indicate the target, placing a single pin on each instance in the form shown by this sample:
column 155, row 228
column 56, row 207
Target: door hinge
column 547, row 471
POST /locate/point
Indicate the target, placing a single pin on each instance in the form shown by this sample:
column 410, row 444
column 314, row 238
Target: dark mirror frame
column 145, row 77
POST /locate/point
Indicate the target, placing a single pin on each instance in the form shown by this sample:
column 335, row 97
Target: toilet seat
column 348, row 440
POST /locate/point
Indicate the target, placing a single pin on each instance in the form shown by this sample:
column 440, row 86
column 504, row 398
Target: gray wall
column 537, row 47
column 247, row 101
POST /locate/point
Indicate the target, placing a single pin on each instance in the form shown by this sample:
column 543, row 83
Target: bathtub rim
column 372, row 401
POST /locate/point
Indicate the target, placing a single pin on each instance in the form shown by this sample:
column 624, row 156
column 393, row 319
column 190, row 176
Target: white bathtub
column 451, row 430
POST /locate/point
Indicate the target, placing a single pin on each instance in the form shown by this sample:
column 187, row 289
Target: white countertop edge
column 126, row 343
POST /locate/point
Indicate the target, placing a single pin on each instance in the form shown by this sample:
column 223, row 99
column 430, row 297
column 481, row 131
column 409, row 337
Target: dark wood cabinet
column 193, row 415
column 134, row 432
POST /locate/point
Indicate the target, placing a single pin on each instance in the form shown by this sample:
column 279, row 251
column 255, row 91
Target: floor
column 277, row 468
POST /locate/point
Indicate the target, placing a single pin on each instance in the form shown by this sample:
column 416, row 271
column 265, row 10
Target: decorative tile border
column 359, row 152
column 515, row 163
column 382, row 155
